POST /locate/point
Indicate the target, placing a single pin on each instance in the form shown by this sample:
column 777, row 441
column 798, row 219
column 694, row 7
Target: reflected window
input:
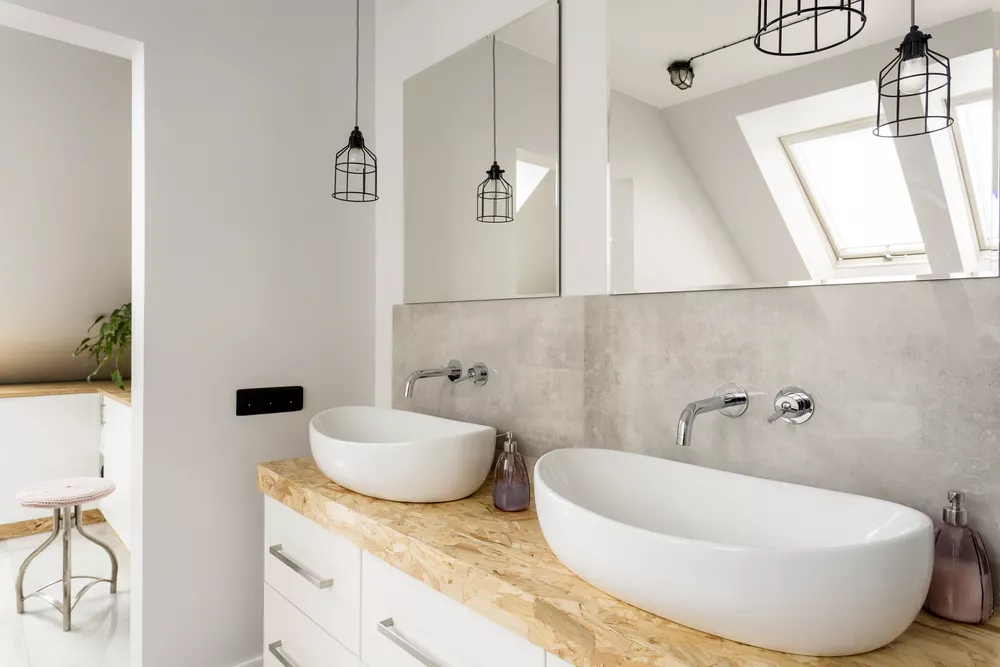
column 529, row 176
column 855, row 185
column 973, row 130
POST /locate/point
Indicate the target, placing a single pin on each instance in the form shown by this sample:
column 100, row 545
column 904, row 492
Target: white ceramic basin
column 775, row 565
column 400, row 455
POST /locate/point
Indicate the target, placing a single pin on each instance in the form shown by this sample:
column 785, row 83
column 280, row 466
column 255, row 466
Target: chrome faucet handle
column 782, row 410
column 478, row 373
column 793, row 405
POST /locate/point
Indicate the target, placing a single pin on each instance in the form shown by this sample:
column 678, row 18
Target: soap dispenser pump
column 962, row 583
column 511, row 490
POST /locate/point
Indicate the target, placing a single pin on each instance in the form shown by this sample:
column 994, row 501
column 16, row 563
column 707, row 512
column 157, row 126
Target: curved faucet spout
column 735, row 398
column 453, row 371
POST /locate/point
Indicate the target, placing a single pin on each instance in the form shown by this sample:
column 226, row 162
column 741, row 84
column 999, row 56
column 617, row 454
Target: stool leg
column 111, row 553
column 67, row 574
column 19, row 589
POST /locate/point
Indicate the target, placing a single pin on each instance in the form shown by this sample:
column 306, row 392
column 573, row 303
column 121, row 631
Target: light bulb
column 913, row 76
column 356, row 161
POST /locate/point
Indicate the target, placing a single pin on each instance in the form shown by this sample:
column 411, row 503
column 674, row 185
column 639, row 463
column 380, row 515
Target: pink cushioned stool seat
column 65, row 492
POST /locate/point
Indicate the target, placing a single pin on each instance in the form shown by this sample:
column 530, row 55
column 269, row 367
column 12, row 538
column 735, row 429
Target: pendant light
column 915, row 88
column 826, row 24
column 495, row 195
column 355, row 176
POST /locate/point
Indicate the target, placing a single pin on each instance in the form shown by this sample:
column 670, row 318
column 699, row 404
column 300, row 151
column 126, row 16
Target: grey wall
column 905, row 379
column 65, row 180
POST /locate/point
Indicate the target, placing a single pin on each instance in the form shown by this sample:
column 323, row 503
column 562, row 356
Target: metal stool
column 65, row 497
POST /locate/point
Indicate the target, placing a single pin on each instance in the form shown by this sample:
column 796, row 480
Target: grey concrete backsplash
column 905, row 378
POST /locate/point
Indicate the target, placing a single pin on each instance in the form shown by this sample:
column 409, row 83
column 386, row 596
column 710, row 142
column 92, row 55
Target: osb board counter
column 105, row 387
column 500, row 565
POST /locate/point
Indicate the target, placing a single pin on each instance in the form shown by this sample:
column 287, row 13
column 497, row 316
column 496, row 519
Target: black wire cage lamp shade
column 355, row 173
column 495, row 196
column 914, row 90
column 681, row 74
column 801, row 27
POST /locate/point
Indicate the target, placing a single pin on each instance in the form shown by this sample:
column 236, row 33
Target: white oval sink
column 398, row 455
column 780, row 566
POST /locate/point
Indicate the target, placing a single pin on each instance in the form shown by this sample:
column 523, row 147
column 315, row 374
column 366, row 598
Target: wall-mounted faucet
column 730, row 399
column 478, row 373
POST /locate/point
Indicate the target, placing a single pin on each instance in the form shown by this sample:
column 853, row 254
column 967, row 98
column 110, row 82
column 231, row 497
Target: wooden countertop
column 105, row 387
column 500, row 565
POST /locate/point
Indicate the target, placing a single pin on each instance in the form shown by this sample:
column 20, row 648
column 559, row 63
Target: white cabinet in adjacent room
column 44, row 438
column 116, row 448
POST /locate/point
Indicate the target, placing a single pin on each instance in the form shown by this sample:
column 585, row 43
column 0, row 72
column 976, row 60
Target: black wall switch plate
column 268, row 400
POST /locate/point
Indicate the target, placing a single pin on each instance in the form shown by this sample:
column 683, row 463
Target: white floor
column 100, row 633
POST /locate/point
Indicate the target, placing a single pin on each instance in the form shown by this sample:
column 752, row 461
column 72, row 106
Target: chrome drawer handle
column 304, row 572
column 385, row 628
column 279, row 655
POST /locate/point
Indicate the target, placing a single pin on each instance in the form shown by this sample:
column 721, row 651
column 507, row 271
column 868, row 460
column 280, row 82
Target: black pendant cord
column 357, row 59
column 913, row 12
column 767, row 32
column 494, row 98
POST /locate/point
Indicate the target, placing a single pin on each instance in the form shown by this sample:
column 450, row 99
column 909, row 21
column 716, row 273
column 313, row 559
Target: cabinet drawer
column 301, row 559
column 302, row 642
column 436, row 627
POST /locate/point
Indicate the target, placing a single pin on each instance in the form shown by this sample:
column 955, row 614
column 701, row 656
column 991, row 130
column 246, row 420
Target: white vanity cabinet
column 405, row 623
column 317, row 571
column 326, row 602
column 291, row 639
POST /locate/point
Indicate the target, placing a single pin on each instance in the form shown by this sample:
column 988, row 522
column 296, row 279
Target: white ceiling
column 536, row 32
column 647, row 35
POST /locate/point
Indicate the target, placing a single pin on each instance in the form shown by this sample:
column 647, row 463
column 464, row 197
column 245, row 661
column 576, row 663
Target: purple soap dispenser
column 962, row 584
column 511, row 491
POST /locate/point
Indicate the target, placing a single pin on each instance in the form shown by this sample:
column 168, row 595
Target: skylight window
column 855, row 184
column 973, row 133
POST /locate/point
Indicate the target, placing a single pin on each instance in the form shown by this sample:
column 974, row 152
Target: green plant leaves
column 113, row 341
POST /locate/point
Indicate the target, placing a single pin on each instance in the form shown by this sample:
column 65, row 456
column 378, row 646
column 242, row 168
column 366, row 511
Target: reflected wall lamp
column 914, row 90
column 834, row 22
column 495, row 196
column 355, row 175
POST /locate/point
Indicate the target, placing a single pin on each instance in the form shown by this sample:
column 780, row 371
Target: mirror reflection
column 871, row 160
column 481, row 142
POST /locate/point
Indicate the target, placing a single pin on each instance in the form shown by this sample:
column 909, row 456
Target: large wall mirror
column 741, row 168
column 472, row 232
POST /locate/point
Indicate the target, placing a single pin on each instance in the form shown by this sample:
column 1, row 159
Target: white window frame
column 963, row 163
column 901, row 252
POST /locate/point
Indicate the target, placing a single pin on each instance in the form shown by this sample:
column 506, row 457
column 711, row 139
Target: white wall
column 249, row 275
column 679, row 239
column 536, row 245
column 64, row 201
column 448, row 135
